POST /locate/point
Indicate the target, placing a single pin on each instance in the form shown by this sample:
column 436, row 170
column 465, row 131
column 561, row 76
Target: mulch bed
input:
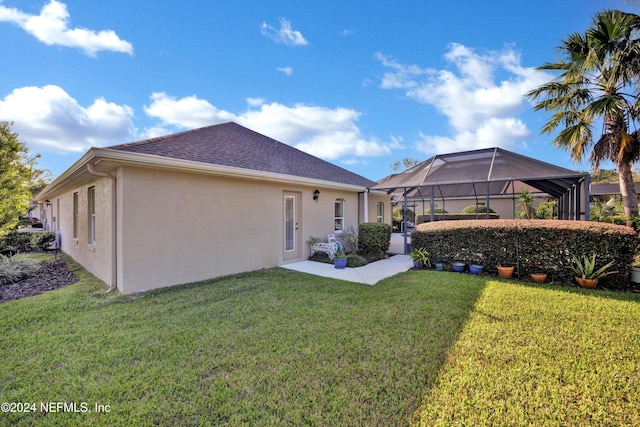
column 51, row 275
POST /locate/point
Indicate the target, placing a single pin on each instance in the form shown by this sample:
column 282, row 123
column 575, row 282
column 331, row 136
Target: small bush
column 41, row 240
column 374, row 239
column 15, row 268
column 356, row 261
column 477, row 209
column 26, row 241
column 409, row 215
column 15, row 242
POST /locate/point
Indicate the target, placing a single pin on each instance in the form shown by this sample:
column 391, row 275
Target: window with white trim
column 380, row 212
column 91, row 208
column 338, row 217
column 75, row 215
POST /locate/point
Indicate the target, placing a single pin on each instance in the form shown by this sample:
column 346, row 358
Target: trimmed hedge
column 26, row 241
column 476, row 209
column 531, row 245
column 374, row 239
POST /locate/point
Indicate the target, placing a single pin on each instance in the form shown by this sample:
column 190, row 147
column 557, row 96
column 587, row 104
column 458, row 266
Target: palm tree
column 598, row 82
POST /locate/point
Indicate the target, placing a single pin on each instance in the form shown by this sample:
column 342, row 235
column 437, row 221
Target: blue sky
column 360, row 84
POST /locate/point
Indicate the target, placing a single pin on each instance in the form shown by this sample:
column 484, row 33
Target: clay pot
column 586, row 283
column 539, row 277
column 505, row 272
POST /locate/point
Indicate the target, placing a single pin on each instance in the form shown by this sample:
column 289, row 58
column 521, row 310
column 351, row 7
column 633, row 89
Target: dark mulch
column 51, row 275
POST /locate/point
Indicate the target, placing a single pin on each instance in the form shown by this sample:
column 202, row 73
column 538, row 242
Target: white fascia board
column 98, row 155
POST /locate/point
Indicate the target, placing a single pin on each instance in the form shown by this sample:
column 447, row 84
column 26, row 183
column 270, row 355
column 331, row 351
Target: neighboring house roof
column 230, row 144
column 224, row 149
column 609, row 189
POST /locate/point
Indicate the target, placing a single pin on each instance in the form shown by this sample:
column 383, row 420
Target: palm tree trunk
column 627, row 189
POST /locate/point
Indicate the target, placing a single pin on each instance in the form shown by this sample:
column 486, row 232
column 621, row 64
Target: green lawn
column 276, row 347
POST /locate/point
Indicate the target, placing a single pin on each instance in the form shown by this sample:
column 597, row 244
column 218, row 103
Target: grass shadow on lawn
column 541, row 355
column 269, row 347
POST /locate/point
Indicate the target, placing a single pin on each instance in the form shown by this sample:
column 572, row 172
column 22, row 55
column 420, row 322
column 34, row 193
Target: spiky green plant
column 586, row 268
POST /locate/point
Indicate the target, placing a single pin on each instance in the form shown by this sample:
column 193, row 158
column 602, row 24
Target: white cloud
column 495, row 132
column 330, row 133
column 481, row 96
column 51, row 27
column 284, row 35
column 255, row 102
column 287, row 70
column 48, row 118
column 187, row 112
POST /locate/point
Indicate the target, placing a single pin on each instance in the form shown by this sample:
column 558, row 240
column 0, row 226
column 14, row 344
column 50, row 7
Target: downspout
column 114, row 223
column 366, row 205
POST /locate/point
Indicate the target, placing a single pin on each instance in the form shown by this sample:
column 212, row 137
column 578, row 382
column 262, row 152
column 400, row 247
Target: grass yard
column 278, row 347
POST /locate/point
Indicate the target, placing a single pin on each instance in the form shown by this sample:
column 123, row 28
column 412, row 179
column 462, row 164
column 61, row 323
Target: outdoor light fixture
column 47, row 202
column 316, row 194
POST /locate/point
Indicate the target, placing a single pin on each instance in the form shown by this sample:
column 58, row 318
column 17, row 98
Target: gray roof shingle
column 230, row 144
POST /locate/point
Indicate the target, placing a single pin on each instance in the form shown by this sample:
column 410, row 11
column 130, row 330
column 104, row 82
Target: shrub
column 355, row 261
column 532, row 245
column 14, row 242
column 26, row 241
column 349, row 240
column 41, row 240
column 374, row 239
column 477, row 209
column 15, row 268
column 547, row 210
column 409, row 215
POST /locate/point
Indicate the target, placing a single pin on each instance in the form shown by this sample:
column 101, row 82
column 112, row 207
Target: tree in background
column 18, row 178
column 404, row 164
column 526, row 200
column 598, row 81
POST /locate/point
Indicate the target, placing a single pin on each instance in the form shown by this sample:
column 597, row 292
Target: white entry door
column 291, row 222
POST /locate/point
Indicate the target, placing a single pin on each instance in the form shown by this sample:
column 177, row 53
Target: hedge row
column 531, row 245
column 26, row 241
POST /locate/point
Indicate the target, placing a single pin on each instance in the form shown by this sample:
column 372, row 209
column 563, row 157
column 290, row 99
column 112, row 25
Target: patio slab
column 369, row 274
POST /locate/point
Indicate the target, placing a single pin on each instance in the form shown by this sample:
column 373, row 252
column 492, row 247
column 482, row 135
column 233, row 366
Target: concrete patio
column 369, row 274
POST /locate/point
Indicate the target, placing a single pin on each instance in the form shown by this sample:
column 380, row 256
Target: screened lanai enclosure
column 488, row 175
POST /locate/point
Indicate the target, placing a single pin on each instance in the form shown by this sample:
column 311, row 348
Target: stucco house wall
column 179, row 227
column 166, row 215
column 98, row 257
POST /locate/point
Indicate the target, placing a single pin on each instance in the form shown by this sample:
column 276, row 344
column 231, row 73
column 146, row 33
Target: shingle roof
column 230, row 144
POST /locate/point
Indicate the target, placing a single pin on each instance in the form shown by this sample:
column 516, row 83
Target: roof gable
column 230, row 144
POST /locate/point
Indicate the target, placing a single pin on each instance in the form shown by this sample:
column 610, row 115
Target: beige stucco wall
column 177, row 227
column 96, row 258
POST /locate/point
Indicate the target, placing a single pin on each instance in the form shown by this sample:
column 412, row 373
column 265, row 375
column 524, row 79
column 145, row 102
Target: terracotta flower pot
column 505, row 272
column 539, row 277
column 586, row 283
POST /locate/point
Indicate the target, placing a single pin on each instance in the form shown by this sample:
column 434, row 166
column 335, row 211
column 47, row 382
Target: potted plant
column 458, row 266
column 538, row 277
column 420, row 257
column 340, row 260
column 440, row 266
column 585, row 271
column 505, row 271
column 476, row 268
